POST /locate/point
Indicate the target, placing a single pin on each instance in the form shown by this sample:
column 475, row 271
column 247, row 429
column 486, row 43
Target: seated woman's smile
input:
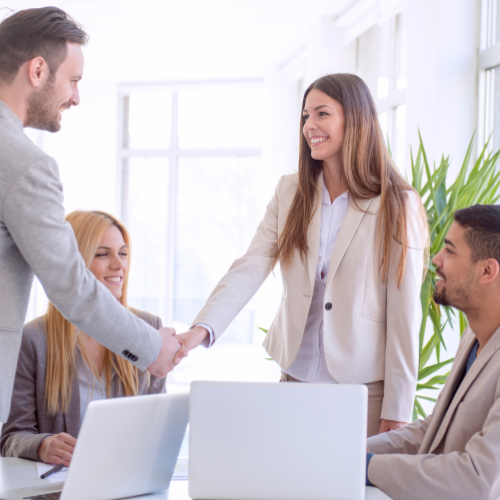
column 62, row 369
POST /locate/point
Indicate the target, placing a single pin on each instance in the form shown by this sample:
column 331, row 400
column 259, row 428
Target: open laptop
column 126, row 447
column 266, row 441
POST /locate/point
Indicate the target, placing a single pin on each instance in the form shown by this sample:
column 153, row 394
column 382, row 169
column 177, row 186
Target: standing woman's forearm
column 246, row 274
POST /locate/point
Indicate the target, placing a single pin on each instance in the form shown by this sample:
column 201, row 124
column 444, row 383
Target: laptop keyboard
column 45, row 496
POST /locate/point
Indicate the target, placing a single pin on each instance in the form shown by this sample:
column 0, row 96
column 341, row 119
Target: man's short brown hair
column 34, row 33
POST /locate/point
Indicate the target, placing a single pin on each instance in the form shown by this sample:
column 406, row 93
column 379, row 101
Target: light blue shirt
column 91, row 388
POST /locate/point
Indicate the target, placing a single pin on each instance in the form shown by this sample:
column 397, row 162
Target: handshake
column 174, row 348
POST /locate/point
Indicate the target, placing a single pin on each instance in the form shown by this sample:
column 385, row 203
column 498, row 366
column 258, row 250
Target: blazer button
column 135, row 358
column 328, row 306
column 125, row 352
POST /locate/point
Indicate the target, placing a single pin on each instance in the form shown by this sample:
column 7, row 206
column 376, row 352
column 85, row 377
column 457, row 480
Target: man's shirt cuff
column 369, row 456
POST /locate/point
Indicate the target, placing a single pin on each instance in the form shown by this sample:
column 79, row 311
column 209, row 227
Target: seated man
column 455, row 452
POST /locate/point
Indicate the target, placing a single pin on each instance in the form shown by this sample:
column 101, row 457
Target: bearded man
column 41, row 64
column 455, row 452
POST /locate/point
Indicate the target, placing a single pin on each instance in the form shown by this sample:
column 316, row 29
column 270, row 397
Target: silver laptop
column 265, row 441
column 126, row 447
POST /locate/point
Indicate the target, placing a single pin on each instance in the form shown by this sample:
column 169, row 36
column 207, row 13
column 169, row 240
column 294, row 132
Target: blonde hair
column 62, row 337
column 368, row 171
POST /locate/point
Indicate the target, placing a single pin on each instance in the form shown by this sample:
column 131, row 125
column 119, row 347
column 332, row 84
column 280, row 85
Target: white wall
column 86, row 149
column 442, row 90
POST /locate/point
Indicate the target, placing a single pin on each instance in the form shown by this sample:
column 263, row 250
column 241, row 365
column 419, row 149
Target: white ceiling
column 154, row 40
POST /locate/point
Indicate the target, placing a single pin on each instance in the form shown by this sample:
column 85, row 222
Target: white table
column 19, row 473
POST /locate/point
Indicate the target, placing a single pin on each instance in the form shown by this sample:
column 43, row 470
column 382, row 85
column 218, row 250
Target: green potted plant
column 477, row 185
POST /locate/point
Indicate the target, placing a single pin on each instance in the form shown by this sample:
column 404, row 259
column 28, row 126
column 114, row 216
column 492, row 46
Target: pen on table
column 55, row 469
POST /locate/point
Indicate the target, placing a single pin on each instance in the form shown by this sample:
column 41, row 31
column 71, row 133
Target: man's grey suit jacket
column 34, row 238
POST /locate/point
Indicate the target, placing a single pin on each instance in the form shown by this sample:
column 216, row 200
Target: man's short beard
column 441, row 298
column 460, row 298
column 42, row 113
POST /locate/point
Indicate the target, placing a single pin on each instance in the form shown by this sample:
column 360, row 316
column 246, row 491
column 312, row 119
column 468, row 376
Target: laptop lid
column 127, row 446
column 270, row 441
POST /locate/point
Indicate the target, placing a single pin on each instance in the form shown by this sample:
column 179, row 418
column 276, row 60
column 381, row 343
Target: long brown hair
column 62, row 337
column 367, row 171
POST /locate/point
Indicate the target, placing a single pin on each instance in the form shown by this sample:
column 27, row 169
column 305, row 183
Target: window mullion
column 169, row 287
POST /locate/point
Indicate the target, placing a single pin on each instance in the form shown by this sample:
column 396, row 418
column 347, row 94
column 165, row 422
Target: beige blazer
column 29, row 423
column 370, row 331
column 455, row 452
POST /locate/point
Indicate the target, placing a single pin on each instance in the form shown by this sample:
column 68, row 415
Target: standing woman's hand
column 189, row 340
column 390, row 425
column 57, row 449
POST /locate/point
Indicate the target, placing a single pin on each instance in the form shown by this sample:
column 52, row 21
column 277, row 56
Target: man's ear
column 38, row 71
column 489, row 271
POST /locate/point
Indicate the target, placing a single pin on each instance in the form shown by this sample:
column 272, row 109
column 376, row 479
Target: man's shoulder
column 17, row 150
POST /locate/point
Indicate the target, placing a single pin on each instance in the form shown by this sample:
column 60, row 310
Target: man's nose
column 75, row 97
column 438, row 258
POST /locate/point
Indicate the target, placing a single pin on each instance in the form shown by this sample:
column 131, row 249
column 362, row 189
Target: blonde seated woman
column 60, row 369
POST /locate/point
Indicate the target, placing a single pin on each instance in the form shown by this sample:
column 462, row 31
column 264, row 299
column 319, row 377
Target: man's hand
column 165, row 360
column 57, row 449
column 390, row 425
column 189, row 340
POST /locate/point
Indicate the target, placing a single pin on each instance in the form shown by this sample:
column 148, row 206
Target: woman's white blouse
column 310, row 365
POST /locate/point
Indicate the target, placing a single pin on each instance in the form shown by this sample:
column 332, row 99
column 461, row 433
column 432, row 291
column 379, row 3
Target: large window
column 190, row 161
column 382, row 60
column 489, row 74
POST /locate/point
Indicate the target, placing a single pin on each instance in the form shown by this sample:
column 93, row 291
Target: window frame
column 488, row 61
column 172, row 154
column 396, row 97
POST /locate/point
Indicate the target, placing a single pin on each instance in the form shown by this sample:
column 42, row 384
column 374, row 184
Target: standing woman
column 350, row 235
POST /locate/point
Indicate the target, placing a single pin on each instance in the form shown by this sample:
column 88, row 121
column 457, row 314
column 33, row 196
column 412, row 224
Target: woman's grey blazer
column 29, row 423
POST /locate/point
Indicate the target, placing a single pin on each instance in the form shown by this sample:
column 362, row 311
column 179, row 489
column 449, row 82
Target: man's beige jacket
column 370, row 328
column 455, row 452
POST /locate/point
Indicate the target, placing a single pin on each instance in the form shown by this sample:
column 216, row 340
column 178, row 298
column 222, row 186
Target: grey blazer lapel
column 482, row 359
column 349, row 227
column 443, row 403
column 313, row 234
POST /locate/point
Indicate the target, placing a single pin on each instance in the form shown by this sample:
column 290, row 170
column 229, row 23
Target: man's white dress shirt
column 310, row 364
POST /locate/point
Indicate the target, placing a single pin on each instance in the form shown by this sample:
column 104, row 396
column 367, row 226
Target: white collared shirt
column 310, row 364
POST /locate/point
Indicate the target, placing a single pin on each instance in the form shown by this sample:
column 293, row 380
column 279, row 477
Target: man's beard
column 459, row 296
column 440, row 297
column 42, row 112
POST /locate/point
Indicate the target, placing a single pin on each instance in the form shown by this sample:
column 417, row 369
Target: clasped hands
column 174, row 347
